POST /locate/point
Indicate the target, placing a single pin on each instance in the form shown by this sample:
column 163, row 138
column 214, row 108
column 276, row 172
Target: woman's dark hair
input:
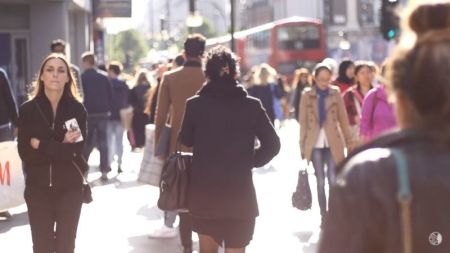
column 342, row 77
column 221, row 64
column 421, row 73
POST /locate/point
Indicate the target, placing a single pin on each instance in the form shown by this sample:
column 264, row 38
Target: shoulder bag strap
column 404, row 198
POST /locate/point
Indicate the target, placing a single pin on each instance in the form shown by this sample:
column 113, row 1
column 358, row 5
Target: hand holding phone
column 73, row 131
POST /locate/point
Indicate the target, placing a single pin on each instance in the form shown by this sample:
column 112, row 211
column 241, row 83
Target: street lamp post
column 193, row 19
column 232, row 25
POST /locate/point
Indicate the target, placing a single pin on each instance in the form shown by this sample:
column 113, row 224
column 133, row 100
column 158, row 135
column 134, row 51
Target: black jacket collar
column 223, row 89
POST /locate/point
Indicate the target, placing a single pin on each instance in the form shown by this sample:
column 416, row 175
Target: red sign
column 5, row 175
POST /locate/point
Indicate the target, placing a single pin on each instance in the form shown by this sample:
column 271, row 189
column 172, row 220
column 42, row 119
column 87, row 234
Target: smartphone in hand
column 72, row 125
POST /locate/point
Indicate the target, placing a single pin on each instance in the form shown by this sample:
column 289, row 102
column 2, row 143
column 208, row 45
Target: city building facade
column 27, row 28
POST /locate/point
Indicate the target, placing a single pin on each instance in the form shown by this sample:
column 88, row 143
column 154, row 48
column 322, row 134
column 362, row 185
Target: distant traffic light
column 389, row 25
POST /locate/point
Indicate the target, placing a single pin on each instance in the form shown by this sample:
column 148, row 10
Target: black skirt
column 233, row 233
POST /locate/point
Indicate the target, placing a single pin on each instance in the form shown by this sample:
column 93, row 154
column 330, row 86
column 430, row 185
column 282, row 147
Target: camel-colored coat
column 336, row 125
column 176, row 87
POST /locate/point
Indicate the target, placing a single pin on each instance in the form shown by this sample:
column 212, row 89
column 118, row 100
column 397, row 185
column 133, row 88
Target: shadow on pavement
column 303, row 236
column 16, row 220
column 152, row 213
column 265, row 169
column 142, row 244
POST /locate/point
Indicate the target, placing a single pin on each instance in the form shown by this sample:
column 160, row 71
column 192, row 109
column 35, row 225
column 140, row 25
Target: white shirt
column 322, row 141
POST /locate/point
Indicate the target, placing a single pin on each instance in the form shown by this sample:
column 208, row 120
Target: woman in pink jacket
column 377, row 114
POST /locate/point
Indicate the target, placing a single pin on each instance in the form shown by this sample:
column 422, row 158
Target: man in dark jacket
column 97, row 100
column 119, row 102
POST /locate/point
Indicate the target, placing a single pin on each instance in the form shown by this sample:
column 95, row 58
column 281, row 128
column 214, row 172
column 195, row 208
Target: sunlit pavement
column 124, row 212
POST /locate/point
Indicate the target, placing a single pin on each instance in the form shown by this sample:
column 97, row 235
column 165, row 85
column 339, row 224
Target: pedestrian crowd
column 376, row 136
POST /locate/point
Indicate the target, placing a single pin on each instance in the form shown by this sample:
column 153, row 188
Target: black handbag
column 175, row 181
column 85, row 188
column 302, row 198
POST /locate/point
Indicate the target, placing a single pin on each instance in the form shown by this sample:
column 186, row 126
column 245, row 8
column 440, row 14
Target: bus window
column 298, row 37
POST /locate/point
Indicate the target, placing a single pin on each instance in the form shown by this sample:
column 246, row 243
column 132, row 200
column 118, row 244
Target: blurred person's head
column 374, row 71
column 194, row 46
column 178, row 61
column 332, row 63
column 301, row 77
column 266, row 74
column 55, row 76
column 142, row 78
column 88, row 60
column 322, row 76
column 346, row 72
column 363, row 74
column 419, row 76
column 58, row 46
column 114, row 69
column 221, row 64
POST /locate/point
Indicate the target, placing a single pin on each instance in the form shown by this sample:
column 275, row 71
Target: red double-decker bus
column 285, row 44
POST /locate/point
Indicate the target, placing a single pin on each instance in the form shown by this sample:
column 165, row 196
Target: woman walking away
column 392, row 195
column 51, row 151
column 263, row 90
column 221, row 124
column 138, row 100
column 322, row 113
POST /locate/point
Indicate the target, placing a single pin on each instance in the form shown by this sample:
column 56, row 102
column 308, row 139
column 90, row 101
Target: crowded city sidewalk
column 124, row 212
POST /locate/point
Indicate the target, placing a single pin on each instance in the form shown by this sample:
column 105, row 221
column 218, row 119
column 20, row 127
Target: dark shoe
column 119, row 170
column 104, row 177
column 5, row 215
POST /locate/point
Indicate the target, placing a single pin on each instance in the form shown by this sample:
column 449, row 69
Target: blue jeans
column 320, row 158
column 96, row 137
column 115, row 140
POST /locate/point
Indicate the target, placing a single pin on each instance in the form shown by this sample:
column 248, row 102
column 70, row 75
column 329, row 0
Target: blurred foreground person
column 221, row 124
column 367, row 213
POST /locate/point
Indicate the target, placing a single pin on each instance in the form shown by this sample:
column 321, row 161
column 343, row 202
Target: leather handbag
column 85, row 187
column 175, row 181
column 302, row 198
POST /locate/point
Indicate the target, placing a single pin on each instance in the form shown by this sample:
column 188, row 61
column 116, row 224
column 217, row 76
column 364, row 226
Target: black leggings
column 53, row 218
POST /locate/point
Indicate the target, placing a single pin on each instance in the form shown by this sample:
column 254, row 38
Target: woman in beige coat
column 324, row 123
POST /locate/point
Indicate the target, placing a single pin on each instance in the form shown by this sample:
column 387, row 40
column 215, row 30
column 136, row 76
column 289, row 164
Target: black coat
column 8, row 108
column 97, row 92
column 221, row 124
column 51, row 163
column 364, row 213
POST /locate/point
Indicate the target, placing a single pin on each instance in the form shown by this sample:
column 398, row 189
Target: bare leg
column 207, row 244
column 234, row 250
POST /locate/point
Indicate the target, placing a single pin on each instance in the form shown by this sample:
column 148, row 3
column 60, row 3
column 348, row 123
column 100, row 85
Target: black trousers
column 53, row 219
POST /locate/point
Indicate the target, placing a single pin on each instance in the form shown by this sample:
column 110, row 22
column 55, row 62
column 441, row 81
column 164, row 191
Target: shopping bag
column 151, row 166
column 12, row 183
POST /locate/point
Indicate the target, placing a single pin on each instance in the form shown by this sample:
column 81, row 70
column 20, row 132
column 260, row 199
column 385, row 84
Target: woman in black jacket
column 51, row 151
column 367, row 212
column 221, row 123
